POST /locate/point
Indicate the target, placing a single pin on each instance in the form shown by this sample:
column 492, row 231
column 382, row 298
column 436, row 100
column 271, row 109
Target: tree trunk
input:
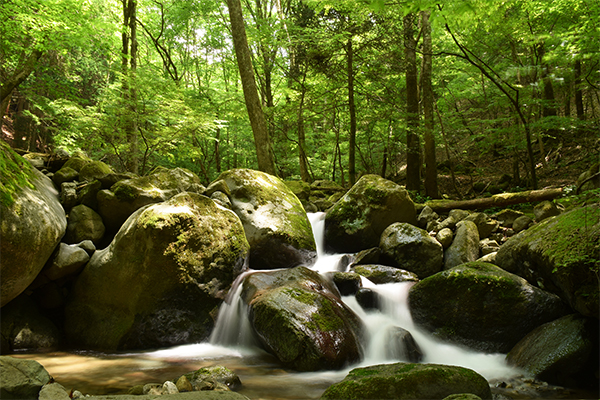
column 262, row 142
column 431, row 185
column 129, row 67
column 578, row 92
column 413, row 167
column 498, row 200
column 352, row 110
column 303, row 159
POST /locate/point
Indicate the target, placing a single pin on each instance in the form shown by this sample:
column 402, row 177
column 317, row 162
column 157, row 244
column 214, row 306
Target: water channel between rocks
column 231, row 345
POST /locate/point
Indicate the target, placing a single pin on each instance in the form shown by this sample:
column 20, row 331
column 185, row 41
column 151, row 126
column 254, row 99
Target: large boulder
column 84, row 224
column 410, row 248
column 408, row 381
column 276, row 224
column 21, row 379
column 380, row 274
column 33, row 223
column 298, row 317
column 126, row 196
column 161, row 280
column 481, row 306
column 94, row 170
column 358, row 219
column 561, row 255
column 464, row 247
column 561, row 352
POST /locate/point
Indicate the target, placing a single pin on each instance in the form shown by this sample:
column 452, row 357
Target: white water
column 232, row 336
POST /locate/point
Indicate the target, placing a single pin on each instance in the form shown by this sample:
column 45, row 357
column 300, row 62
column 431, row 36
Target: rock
column 408, row 381
column 204, row 395
column 126, row 196
column 88, row 194
column 218, row 373
column 481, row 306
column 402, row 345
column 463, row 396
column 152, row 389
column 169, row 388
column 485, row 225
column 561, row 352
column 299, row 188
column 65, row 174
column 76, row 163
column 562, row 254
column 298, row 317
column 488, row 258
column 94, row 170
column 347, row 283
column 410, row 248
column 445, row 237
column 21, row 379
column 464, row 247
column 109, row 180
column 69, row 260
column 328, row 187
column 380, row 274
column 276, row 225
column 88, row 246
column 357, row 221
column 426, row 216
column 368, row 256
column 522, row 223
column 37, row 160
column 591, row 184
column 221, row 199
column 507, row 217
column 545, row 209
column 183, row 384
column 487, row 246
column 34, row 221
column 53, row 391
column 160, row 282
column 84, row 224
column 368, row 299
column 218, row 185
column 454, row 217
column 25, row 328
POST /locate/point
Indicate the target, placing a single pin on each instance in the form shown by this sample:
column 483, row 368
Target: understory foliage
column 501, row 71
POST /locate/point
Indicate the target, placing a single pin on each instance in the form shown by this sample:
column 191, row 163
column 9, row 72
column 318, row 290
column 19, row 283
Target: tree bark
column 262, row 141
column 352, row 110
column 413, row 167
column 431, row 184
column 129, row 68
column 498, row 200
column 578, row 92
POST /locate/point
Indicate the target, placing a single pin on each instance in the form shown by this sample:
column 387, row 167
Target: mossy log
column 497, row 200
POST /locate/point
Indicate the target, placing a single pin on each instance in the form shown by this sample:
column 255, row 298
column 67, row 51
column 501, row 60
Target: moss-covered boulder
column 76, row 163
column 561, row 352
column 481, row 306
column 65, row 174
column 94, row 170
column 561, row 255
column 298, row 317
column 358, row 219
column 464, row 247
column 33, row 222
column 410, row 248
column 300, row 188
column 126, row 196
column 380, row 274
column 161, row 280
column 217, row 373
column 275, row 222
column 408, row 381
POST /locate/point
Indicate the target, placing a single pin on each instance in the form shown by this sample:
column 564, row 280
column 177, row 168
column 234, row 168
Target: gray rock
column 65, row 174
column 464, row 396
column 88, row 194
column 445, row 237
column 521, row 223
column 488, row 246
column 368, row 299
column 203, row 395
column 380, row 274
column 35, row 221
column 152, row 389
column 94, row 170
column 507, row 217
column 347, row 283
column 221, row 199
column 485, row 225
column 408, row 381
column 84, row 224
column 53, row 391
column 169, row 388
column 160, row 282
column 88, row 246
column 410, row 248
column 426, row 216
column 21, row 379
column 464, row 247
column 368, row 256
column 481, row 306
column 402, row 346
column 488, row 258
column 545, row 209
column 68, row 195
column 454, row 217
column 69, row 260
column 215, row 374
column 358, row 219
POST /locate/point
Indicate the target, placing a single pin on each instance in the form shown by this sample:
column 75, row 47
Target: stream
column 232, row 345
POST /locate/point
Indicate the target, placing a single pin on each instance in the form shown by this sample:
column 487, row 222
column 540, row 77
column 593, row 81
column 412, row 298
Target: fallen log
column 497, row 200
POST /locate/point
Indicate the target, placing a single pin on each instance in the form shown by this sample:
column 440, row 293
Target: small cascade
column 325, row 262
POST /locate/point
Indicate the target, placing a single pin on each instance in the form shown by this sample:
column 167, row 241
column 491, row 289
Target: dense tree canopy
column 345, row 89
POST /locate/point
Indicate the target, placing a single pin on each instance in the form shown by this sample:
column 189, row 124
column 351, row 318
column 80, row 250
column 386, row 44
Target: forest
column 425, row 93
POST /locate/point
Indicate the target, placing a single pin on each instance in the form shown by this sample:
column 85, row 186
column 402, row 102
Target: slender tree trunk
column 352, row 110
column 431, row 184
column 129, row 67
column 262, row 142
column 578, row 92
column 304, row 173
column 413, row 167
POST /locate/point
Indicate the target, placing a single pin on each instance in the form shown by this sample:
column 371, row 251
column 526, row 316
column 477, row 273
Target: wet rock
column 276, row 224
column 347, row 283
column 368, row 256
column 481, row 306
column 545, row 209
column 211, row 375
column 380, row 274
column 562, row 254
column 521, row 223
column 160, row 282
column 561, row 352
column 169, row 388
column 183, row 384
column 408, row 381
column 30, row 228
column 358, row 219
column 402, row 345
column 464, row 247
column 464, row 396
column 410, row 248
column 445, row 237
column 21, row 379
column 368, row 299
column 152, row 389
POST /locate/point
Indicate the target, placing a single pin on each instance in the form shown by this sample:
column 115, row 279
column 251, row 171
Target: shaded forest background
column 505, row 95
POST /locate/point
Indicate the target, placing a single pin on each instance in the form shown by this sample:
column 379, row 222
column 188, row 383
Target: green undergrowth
column 17, row 173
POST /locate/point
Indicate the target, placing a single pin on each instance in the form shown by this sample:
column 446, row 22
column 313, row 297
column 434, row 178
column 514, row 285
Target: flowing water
column 232, row 344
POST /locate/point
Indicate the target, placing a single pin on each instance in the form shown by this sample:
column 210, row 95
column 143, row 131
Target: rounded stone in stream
column 347, row 283
column 402, row 345
column 368, row 299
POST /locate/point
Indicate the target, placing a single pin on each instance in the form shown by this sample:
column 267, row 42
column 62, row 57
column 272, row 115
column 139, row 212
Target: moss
column 17, row 173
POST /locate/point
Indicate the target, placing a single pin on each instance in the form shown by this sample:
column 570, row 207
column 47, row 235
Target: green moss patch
column 17, row 173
